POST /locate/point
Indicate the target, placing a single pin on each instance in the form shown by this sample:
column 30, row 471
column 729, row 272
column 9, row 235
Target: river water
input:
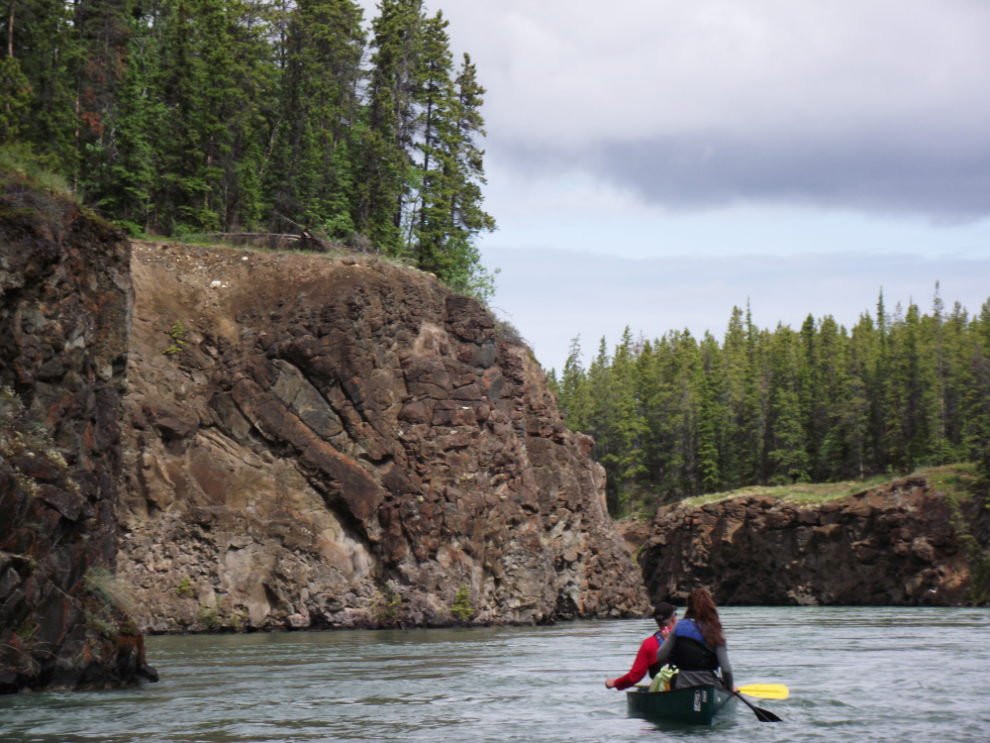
column 913, row 675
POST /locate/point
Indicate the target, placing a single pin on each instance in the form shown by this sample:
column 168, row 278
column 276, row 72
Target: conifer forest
column 179, row 117
column 680, row 416
column 189, row 117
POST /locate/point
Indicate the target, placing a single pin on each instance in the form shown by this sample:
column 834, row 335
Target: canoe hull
column 694, row 705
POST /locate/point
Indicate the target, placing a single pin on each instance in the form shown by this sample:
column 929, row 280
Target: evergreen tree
column 390, row 120
column 894, row 393
column 978, row 440
column 46, row 44
column 432, row 219
column 573, row 388
column 629, row 428
column 738, row 381
column 309, row 179
column 468, row 219
column 15, row 97
column 601, row 422
column 708, row 420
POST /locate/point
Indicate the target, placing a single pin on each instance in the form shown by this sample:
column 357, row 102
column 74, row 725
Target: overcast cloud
column 653, row 162
column 869, row 104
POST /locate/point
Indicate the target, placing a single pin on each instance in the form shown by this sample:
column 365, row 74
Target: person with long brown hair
column 696, row 647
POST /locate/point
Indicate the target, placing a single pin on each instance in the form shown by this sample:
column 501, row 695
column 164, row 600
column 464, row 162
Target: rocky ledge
column 316, row 443
column 65, row 302
column 899, row 544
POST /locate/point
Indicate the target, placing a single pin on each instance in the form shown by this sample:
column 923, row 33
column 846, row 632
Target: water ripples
column 854, row 674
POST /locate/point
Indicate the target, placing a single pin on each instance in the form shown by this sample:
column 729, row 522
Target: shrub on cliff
column 462, row 608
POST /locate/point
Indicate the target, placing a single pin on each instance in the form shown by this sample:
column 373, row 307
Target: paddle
column 765, row 691
column 763, row 715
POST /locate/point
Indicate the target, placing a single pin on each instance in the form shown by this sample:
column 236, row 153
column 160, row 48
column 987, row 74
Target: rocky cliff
column 899, row 544
column 316, row 442
column 65, row 304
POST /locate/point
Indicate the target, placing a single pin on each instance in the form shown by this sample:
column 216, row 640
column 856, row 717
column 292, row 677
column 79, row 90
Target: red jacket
column 645, row 658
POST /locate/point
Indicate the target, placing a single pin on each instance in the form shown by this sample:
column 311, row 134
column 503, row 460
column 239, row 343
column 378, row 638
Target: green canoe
column 695, row 705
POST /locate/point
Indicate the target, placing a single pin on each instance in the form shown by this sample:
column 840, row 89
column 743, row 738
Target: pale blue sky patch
column 552, row 295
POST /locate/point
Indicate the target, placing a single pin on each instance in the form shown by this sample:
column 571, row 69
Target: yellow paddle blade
column 766, row 691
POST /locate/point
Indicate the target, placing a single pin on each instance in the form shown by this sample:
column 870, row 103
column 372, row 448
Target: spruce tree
column 47, row 46
column 708, row 420
column 389, row 127
column 450, row 215
column 309, row 179
column 468, row 219
column 431, row 221
column 15, row 97
column 573, row 398
column 629, row 427
column 735, row 351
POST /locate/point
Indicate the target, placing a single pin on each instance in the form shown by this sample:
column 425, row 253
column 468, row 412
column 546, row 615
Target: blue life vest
column 691, row 652
column 688, row 628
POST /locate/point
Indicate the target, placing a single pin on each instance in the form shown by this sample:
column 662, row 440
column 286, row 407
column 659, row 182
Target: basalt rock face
column 345, row 443
column 65, row 302
column 893, row 545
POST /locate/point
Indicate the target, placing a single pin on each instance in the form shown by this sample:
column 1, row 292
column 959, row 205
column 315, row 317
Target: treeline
column 681, row 416
column 194, row 116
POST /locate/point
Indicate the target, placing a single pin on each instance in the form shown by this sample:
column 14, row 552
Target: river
column 855, row 674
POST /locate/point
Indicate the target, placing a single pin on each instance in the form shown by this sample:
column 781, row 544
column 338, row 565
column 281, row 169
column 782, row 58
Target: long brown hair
column 701, row 609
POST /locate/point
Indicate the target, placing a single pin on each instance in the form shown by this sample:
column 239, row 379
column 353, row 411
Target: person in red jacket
column 666, row 617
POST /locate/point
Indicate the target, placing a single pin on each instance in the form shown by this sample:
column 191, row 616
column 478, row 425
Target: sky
column 653, row 163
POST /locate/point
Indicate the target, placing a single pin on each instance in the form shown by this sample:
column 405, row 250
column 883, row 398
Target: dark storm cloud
column 943, row 179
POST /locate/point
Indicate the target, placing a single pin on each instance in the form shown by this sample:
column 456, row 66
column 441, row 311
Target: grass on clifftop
column 17, row 160
column 955, row 479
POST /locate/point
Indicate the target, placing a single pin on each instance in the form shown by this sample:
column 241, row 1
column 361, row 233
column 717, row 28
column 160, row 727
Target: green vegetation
column 964, row 489
column 802, row 493
column 178, row 337
column 18, row 158
column 462, row 608
column 184, row 117
column 238, row 619
column 386, row 606
column 109, row 606
column 210, row 616
column 102, row 584
column 797, row 493
column 27, row 631
column 185, row 588
column 678, row 417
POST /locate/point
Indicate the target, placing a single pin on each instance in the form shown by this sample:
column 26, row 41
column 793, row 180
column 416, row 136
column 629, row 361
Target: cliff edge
column 65, row 305
column 912, row 542
column 316, row 442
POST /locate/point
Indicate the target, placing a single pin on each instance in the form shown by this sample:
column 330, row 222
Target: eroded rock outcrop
column 891, row 545
column 65, row 302
column 339, row 443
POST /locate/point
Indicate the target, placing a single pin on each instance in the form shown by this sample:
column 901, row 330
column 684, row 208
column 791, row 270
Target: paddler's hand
column 609, row 683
